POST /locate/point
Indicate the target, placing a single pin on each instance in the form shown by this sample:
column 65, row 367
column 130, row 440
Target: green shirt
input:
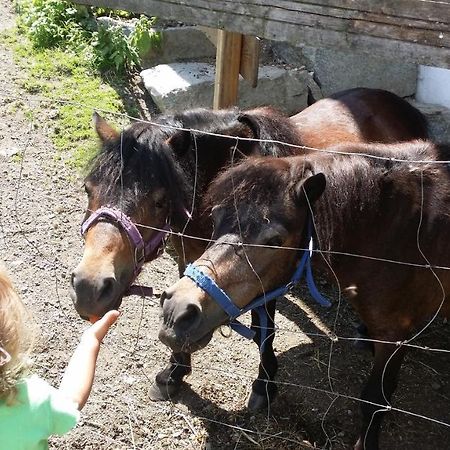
column 38, row 411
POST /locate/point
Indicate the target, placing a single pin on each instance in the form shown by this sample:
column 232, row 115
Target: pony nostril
column 107, row 288
column 189, row 318
column 164, row 296
column 75, row 279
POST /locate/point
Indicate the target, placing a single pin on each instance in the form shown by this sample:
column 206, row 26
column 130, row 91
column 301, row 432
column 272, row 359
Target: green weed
column 67, row 85
column 75, row 67
column 65, row 25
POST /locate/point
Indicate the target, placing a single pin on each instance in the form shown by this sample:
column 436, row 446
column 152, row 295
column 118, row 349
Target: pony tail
column 16, row 338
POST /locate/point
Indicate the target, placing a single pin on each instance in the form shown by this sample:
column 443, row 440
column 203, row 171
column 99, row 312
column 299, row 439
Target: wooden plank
column 380, row 28
column 435, row 36
column 429, row 11
column 250, row 59
column 357, row 14
column 434, row 11
column 228, row 60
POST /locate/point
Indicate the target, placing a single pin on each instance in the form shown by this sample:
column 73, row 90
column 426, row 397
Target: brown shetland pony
column 148, row 173
column 380, row 208
column 358, row 115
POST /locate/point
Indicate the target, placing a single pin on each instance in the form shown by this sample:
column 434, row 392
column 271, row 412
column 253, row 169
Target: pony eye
column 159, row 205
column 88, row 188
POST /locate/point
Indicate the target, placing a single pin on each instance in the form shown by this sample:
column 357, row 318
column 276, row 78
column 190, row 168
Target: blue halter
column 258, row 304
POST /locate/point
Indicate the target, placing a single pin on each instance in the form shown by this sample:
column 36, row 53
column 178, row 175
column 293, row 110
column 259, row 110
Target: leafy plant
column 112, row 49
column 144, row 37
column 98, row 12
column 59, row 23
column 50, row 23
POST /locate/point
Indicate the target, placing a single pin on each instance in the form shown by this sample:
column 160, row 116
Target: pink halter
column 142, row 250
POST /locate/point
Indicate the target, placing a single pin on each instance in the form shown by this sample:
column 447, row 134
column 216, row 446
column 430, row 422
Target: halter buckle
column 225, row 330
column 139, row 256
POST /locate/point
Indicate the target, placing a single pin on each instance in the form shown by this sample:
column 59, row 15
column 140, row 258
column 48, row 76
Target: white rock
column 180, row 86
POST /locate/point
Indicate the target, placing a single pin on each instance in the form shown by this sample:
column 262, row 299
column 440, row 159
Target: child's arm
column 79, row 375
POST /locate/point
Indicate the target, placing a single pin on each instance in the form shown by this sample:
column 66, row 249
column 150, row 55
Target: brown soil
column 41, row 207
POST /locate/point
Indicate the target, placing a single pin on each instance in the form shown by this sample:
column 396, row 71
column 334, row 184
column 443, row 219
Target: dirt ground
column 42, row 203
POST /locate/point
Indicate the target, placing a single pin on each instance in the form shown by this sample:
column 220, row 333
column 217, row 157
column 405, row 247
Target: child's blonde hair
column 16, row 338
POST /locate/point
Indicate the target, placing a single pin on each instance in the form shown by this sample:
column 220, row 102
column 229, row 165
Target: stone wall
column 180, row 75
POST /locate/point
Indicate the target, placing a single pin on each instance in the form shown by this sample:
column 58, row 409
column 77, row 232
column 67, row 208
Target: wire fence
column 242, row 372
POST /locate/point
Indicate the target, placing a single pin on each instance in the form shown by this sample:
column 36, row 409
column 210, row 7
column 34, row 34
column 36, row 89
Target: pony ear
column 252, row 122
column 309, row 190
column 104, row 130
column 180, row 142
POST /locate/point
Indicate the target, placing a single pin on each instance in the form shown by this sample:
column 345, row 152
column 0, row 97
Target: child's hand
column 79, row 376
column 98, row 330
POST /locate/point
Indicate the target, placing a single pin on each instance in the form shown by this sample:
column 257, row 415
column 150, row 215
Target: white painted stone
column 180, row 86
column 433, row 86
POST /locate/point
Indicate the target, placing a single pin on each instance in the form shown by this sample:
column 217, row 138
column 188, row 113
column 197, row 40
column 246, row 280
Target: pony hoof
column 162, row 392
column 257, row 402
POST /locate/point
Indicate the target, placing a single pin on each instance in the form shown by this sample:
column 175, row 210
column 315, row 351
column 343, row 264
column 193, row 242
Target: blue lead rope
column 258, row 304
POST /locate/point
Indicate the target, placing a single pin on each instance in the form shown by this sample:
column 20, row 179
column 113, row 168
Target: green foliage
column 68, row 87
column 50, row 23
column 62, row 24
column 144, row 37
column 112, row 49
column 118, row 13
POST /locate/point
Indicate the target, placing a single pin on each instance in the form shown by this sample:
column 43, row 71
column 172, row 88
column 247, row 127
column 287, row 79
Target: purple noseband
column 142, row 250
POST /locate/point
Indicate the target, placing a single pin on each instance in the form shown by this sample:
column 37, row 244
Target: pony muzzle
column 93, row 296
column 183, row 322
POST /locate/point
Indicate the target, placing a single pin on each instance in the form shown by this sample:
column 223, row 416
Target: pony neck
column 349, row 203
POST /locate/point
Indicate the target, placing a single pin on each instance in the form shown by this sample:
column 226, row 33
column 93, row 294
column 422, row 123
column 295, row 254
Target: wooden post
column 228, row 59
column 250, row 59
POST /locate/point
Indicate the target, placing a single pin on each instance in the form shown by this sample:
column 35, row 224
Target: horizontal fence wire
column 330, row 336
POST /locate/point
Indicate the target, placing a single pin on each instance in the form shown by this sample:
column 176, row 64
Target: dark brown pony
column 385, row 210
column 358, row 115
column 156, row 174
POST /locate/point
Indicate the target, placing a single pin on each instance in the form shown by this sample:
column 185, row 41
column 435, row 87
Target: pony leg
column 263, row 390
column 169, row 380
column 363, row 332
column 379, row 388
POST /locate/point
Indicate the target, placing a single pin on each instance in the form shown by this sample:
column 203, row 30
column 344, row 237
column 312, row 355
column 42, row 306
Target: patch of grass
column 75, row 66
column 68, row 87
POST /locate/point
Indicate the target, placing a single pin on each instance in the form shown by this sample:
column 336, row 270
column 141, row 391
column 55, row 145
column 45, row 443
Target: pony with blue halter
column 381, row 219
column 258, row 305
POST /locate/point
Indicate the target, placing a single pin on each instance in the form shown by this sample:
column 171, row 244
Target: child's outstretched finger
column 101, row 327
